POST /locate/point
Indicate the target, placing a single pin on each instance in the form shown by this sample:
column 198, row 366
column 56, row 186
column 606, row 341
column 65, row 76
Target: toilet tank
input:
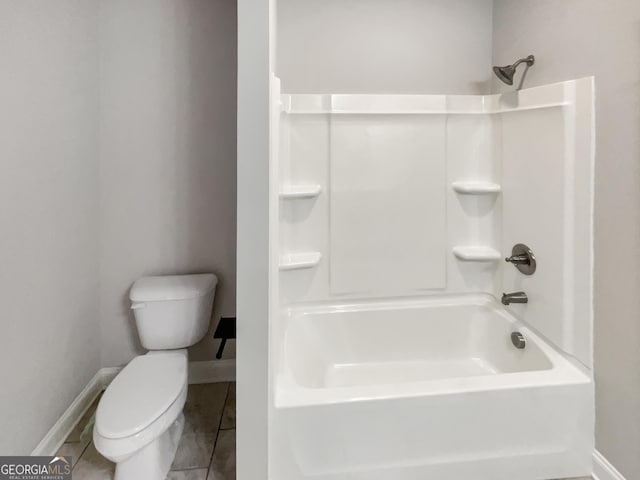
column 172, row 311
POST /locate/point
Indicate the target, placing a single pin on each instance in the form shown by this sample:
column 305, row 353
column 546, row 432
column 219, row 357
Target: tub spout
column 517, row 297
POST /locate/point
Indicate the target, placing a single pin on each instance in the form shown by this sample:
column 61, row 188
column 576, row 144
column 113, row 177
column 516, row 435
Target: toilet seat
column 140, row 394
column 142, row 402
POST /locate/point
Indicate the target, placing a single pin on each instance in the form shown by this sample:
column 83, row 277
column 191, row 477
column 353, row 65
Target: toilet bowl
column 139, row 419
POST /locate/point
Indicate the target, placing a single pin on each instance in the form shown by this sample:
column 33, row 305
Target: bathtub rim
column 564, row 370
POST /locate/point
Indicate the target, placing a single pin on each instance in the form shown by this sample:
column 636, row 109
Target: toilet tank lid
column 172, row 287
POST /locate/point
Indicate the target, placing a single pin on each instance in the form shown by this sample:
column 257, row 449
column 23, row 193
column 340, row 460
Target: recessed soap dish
column 299, row 261
column 476, row 253
column 293, row 192
column 470, row 187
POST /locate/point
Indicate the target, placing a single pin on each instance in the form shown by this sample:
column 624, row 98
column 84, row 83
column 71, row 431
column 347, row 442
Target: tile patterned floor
column 207, row 446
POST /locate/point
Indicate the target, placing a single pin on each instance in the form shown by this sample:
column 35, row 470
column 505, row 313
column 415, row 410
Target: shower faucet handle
column 518, row 260
column 523, row 259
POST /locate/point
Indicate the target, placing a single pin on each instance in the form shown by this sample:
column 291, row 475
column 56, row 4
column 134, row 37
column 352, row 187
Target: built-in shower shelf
column 293, row 192
column 476, row 254
column 476, row 187
column 299, row 261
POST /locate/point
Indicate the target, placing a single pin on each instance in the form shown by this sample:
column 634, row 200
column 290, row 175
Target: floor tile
column 202, row 412
column 74, row 450
column 223, row 463
column 93, row 466
column 194, row 474
column 229, row 413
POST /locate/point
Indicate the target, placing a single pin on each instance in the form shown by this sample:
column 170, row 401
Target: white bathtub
column 427, row 389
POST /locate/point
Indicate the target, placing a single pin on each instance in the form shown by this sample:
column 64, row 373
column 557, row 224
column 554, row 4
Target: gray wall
column 117, row 151
column 383, row 46
column 167, row 155
column 571, row 39
column 49, row 345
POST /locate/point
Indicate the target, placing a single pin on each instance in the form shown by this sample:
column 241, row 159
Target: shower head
column 507, row 73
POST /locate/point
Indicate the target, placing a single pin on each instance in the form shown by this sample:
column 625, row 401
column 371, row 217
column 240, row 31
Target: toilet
column 139, row 419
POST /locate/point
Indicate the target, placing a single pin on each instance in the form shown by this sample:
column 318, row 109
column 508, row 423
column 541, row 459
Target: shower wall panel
column 387, row 204
column 368, row 207
column 389, row 196
column 547, row 194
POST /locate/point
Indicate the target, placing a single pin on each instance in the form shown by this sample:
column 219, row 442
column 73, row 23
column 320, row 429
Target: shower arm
column 530, row 60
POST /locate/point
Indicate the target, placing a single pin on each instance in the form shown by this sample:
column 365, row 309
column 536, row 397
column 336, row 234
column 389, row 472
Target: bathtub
column 427, row 389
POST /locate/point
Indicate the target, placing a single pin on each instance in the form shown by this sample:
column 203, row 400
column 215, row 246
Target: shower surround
column 390, row 355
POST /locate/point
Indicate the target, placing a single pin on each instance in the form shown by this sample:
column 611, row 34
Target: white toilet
column 139, row 419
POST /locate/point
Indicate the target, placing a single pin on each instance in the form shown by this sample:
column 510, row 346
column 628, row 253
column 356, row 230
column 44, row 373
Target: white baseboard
column 210, row 371
column 55, row 437
column 108, row 374
column 207, row 371
column 603, row 470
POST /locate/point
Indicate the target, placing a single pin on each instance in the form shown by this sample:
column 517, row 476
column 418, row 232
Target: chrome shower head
column 507, row 73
